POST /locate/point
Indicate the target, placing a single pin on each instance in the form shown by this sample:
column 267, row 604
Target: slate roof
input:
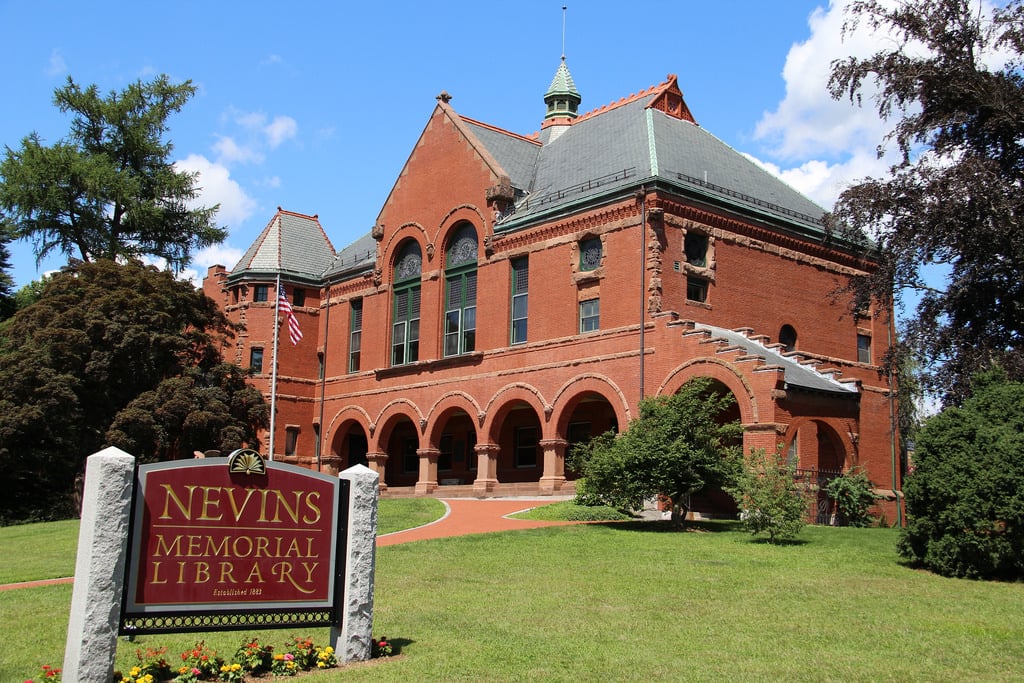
column 629, row 143
column 355, row 258
column 292, row 244
column 798, row 375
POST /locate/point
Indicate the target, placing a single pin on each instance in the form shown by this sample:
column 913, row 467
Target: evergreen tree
column 109, row 190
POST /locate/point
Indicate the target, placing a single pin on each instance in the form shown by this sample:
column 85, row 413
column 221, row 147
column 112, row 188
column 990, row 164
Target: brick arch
column 569, row 395
column 389, row 415
column 718, row 370
column 407, row 231
column 835, row 427
column 502, row 401
column 443, row 407
column 468, row 213
column 350, row 413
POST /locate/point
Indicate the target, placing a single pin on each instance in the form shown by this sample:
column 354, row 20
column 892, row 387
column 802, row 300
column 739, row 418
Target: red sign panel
column 209, row 538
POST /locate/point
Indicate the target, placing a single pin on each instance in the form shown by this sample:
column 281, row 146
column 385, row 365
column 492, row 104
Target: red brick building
column 519, row 293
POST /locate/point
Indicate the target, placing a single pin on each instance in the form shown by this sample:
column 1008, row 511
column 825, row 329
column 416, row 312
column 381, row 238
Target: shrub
column 853, row 494
column 768, row 496
column 965, row 496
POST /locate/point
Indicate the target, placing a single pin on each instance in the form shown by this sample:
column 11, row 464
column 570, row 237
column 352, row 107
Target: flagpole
column 273, row 373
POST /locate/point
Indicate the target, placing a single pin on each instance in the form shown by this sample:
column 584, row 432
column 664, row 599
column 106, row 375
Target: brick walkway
column 465, row 516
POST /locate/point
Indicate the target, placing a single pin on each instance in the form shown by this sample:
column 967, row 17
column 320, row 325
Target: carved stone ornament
column 377, row 232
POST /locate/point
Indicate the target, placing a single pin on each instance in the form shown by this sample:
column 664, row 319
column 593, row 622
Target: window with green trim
column 520, row 298
column 460, row 292
column 405, row 319
column 355, row 340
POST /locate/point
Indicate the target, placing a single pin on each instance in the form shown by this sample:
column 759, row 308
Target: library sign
column 234, row 543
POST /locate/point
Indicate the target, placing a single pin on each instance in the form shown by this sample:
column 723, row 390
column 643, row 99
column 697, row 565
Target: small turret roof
column 293, row 245
column 562, row 83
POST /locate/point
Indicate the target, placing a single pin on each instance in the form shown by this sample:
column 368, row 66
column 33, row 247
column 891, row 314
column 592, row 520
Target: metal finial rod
column 563, row 31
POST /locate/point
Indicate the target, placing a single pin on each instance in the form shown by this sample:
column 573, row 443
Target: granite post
column 99, row 567
column 353, row 641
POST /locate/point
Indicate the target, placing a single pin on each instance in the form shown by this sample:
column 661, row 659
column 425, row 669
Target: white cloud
column 217, row 187
column 280, row 129
column 822, row 145
column 229, row 152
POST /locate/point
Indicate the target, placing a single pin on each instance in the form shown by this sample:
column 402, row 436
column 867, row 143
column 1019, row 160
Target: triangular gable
column 668, row 98
column 443, row 111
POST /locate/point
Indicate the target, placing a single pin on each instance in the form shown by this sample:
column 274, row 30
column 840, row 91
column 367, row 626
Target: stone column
column 99, row 567
column 427, row 482
column 376, row 462
column 554, row 465
column 353, row 641
column 486, row 468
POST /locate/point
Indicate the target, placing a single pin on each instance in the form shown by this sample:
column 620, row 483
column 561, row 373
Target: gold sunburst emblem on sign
column 246, row 461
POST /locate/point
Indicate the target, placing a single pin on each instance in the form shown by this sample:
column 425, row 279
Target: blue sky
column 315, row 107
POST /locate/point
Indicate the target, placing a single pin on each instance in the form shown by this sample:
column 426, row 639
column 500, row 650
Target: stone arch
column 576, row 390
column 451, row 402
column 413, row 231
column 841, row 454
column 505, row 399
column 398, row 439
column 398, row 409
column 349, row 442
column 720, row 371
column 468, row 213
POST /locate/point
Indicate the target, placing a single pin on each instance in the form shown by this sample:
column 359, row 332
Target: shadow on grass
column 667, row 527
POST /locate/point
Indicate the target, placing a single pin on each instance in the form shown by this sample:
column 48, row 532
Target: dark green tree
column 199, row 410
column 965, row 496
column 100, row 335
column 109, row 190
column 7, row 303
column 678, row 446
column 953, row 198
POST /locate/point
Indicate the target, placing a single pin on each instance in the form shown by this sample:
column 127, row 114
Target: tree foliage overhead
column 677, row 447
column 109, row 189
column 101, row 336
column 951, row 80
column 965, row 496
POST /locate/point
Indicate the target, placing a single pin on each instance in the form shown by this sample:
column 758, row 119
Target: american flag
column 294, row 331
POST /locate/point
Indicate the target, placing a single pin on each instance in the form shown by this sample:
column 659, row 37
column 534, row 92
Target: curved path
column 464, row 516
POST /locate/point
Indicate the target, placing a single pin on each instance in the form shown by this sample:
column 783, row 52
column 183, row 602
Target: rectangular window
column 863, row 348
column 405, row 331
column 259, row 292
column 256, row 360
column 460, row 314
column 355, row 341
column 291, row 439
column 299, row 297
column 590, row 315
column 410, row 460
column 520, row 298
column 696, row 289
column 447, row 448
column 695, row 246
column 526, row 447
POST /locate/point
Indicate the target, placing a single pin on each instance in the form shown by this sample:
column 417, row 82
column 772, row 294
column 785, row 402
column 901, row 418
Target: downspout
column 323, row 375
column 642, row 196
column 892, row 427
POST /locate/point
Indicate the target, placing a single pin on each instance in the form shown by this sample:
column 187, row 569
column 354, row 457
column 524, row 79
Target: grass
column 634, row 601
column 567, row 510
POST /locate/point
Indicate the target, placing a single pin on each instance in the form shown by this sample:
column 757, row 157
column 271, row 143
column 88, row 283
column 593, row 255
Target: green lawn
column 634, row 601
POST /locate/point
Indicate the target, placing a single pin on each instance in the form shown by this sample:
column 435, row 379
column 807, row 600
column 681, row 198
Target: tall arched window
column 460, row 292
column 405, row 319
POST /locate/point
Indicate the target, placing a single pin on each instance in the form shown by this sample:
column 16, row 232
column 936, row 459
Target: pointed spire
column 562, row 98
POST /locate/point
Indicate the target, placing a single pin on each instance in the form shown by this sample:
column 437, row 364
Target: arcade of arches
column 520, row 436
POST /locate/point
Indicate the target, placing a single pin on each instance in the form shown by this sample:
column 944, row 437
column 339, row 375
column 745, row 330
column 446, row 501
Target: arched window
column 405, row 319
column 460, row 292
column 787, row 337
